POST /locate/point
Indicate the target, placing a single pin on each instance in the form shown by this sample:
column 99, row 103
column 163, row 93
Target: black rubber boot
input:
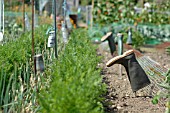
column 110, row 39
column 136, row 75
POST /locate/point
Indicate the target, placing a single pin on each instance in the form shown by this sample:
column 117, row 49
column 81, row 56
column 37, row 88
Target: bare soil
column 120, row 98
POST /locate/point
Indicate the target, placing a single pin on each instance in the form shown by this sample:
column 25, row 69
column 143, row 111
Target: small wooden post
column 55, row 30
column 92, row 13
column 33, row 37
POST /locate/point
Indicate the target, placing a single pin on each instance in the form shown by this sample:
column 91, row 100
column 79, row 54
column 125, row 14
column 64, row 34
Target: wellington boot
column 136, row 75
column 110, row 39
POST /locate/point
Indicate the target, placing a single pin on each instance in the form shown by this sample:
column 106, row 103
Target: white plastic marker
column 1, row 36
column 1, row 19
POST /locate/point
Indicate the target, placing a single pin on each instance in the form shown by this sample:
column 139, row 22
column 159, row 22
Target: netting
column 156, row 74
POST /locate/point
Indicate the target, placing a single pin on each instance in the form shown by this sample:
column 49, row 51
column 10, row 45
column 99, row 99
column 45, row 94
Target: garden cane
column 55, row 30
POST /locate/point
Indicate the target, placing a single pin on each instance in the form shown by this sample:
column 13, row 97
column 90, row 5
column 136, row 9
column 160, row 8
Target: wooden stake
column 92, row 13
column 55, row 29
column 33, row 37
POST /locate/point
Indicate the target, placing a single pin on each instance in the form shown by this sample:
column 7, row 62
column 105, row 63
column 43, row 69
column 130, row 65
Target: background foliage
column 109, row 11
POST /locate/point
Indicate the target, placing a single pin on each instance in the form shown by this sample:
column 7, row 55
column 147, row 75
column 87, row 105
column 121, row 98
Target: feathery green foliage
column 76, row 85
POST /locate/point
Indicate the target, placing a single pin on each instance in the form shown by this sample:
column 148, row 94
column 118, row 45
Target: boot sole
column 111, row 61
column 106, row 36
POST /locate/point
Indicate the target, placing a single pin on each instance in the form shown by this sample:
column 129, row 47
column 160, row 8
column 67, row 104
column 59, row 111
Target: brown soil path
column 120, row 98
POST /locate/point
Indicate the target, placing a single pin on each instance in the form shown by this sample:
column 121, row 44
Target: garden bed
column 120, row 98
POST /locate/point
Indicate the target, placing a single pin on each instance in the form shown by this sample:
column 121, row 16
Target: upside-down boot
column 110, row 39
column 136, row 75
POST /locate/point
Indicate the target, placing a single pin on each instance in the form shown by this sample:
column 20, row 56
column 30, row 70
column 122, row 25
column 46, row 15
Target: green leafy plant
column 76, row 85
column 109, row 11
column 18, row 91
column 137, row 38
